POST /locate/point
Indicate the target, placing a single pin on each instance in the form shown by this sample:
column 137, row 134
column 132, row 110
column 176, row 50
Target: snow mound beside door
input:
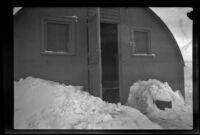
column 42, row 104
column 144, row 95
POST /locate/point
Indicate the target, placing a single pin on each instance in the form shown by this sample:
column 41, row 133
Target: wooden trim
column 110, row 15
column 120, row 59
column 107, row 20
column 72, row 34
column 148, row 31
column 144, row 55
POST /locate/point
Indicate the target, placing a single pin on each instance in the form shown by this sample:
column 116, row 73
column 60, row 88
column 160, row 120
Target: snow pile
column 42, row 104
column 143, row 95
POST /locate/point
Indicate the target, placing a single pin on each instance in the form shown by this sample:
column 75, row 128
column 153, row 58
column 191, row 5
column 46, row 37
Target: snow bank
column 143, row 95
column 42, row 104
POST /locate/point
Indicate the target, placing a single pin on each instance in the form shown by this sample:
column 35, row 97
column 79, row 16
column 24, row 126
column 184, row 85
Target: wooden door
column 126, row 60
column 95, row 76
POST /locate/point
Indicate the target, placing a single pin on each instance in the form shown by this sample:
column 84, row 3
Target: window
column 140, row 42
column 58, row 35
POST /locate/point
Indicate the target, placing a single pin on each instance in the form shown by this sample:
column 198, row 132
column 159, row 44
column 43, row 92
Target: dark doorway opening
column 109, row 60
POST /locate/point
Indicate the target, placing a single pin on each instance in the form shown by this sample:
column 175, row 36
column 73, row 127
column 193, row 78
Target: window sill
column 56, row 53
column 144, row 55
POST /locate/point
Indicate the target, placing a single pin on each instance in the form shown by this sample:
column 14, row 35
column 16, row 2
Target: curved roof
column 168, row 31
column 17, row 9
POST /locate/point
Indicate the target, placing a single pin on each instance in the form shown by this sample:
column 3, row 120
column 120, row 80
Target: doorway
column 109, row 62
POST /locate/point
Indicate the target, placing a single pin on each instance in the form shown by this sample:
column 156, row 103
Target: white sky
column 177, row 21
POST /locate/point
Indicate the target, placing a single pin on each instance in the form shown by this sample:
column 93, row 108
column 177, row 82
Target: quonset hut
column 105, row 50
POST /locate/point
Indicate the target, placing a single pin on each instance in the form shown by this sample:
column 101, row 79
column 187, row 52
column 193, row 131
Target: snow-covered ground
column 42, row 104
column 143, row 96
column 188, row 82
column 180, row 116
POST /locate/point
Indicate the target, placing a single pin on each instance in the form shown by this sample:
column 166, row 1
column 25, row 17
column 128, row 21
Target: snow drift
column 42, row 104
column 143, row 96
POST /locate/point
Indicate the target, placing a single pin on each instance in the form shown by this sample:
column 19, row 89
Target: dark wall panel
column 166, row 66
column 28, row 59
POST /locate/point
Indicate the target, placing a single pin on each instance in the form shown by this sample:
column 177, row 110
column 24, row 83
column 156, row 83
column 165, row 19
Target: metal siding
column 28, row 60
column 166, row 66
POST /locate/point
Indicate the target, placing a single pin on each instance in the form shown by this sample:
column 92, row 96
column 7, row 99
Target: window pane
column 57, row 37
column 141, row 40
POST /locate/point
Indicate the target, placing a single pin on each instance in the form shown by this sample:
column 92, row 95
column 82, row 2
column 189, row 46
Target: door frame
column 119, row 53
column 97, row 51
column 119, row 56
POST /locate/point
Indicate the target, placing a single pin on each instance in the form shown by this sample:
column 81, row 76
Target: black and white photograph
column 101, row 68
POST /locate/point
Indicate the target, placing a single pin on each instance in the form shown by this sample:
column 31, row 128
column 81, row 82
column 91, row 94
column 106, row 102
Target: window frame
column 133, row 43
column 72, row 35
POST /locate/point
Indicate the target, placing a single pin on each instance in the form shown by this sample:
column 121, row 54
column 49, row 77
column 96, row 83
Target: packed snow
column 143, row 95
column 43, row 104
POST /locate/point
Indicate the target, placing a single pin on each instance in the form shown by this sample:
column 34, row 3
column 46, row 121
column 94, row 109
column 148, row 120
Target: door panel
column 127, row 64
column 94, row 55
